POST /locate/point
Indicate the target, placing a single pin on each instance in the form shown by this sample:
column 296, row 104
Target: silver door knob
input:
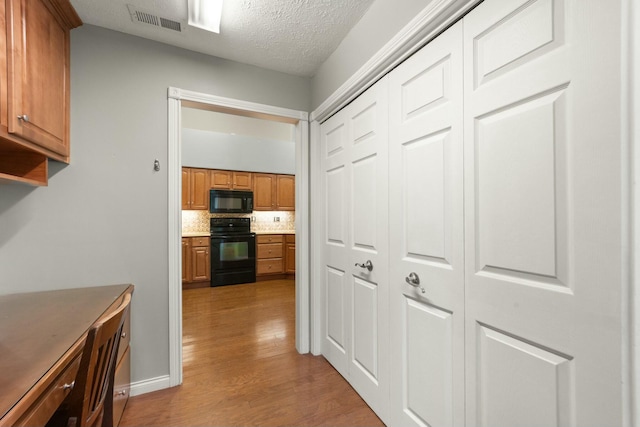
column 368, row 265
column 23, row 117
column 414, row 280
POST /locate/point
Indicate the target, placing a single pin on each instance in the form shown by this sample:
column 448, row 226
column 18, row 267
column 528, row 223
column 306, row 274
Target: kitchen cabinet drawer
column 121, row 386
column 269, row 250
column 200, row 241
column 269, row 238
column 50, row 400
column 269, row 266
column 290, row 238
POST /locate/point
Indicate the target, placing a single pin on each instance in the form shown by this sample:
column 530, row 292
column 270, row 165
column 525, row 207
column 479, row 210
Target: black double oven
column 233, row 251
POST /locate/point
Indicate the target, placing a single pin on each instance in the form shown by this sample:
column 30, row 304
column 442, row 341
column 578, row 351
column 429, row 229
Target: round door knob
column 23, row 117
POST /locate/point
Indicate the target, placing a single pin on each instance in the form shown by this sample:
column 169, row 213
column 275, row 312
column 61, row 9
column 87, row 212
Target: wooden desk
column 41, row 339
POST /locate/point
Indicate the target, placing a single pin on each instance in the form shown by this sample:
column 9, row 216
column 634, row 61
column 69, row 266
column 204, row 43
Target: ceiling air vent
column 150, row 18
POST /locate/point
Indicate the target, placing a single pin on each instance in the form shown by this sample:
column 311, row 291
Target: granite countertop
column 196, row 234
column 207, row 234
column 276, row 232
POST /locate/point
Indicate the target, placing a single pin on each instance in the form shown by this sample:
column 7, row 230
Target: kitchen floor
column 241, row 367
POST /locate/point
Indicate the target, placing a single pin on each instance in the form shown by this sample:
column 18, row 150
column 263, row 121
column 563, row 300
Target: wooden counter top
column 41, row 333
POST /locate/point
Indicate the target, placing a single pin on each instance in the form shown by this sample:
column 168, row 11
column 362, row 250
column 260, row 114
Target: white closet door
column 354, row 143
column 542, row 213
column 426, row 225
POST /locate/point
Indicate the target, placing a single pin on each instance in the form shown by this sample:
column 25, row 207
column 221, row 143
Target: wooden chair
column 90, row 402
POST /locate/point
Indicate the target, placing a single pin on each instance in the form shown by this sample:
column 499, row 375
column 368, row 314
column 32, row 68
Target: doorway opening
column 298, row 121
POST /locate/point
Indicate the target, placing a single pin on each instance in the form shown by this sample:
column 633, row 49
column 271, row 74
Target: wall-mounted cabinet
column 34, row 90
column 273, row 192
column 231, row 180
column 195, row 189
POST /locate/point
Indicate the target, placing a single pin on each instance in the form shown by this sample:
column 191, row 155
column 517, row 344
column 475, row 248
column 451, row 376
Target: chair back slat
column 92, row 394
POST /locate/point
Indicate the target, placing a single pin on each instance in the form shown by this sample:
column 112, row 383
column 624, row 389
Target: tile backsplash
column 263, row 221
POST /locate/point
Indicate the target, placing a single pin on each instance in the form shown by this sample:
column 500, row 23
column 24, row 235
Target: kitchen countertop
column 276, row 232
column 196, row 234
column 207, row 234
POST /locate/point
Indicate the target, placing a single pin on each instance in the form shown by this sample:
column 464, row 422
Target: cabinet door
column 200, row 264
column 290, row 258
column 221, row 180
column 186, row 260
column 286, row 193
column 242, row 181
column 38, row 64
column 264, row 190
column 199, row 189
column 186, row 188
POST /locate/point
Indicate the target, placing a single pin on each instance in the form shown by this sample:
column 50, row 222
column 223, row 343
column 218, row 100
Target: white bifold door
column 426, row 241
column 543, row 213
column 496, row 233
column 355, row 248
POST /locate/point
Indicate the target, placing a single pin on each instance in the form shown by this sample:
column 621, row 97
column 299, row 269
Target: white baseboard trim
column 147, row 386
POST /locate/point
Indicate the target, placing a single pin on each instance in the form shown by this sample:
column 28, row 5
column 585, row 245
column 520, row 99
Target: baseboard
column 147, row 386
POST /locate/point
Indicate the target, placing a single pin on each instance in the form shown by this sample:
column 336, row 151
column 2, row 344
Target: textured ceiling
column 291, row 36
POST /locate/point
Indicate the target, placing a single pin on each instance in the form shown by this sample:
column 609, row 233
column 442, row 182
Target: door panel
column 428, row 330
column 506, row 366
column 426, row 225
column 543, row 258
column 355, row 169
column 365, row 315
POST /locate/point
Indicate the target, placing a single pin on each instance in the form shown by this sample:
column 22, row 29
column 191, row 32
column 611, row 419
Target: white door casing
column 542, row 214
column 355, row 309
column 426, row 235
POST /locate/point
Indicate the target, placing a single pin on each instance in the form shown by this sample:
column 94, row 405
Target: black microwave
column 229, row 201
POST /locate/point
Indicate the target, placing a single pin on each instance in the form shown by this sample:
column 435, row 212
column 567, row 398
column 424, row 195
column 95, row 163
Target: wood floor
column 241, row 368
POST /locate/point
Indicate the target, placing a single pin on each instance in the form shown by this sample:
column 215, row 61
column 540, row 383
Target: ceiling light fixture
column 205, row 14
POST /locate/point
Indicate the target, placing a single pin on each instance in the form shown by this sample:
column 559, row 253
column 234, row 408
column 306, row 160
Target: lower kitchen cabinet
column 196, row 261
column 269, row 255
column 290, row 253
column 275, row 256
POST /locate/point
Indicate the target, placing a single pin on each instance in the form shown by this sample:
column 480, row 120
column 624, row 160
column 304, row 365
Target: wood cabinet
column 122, row 378
column 290, row 253
column 196, row 259
column 286, row 193
column 269, row 254
column 231, row 180
column 34, row 89
column 195, row 189
column 275, row 256
column 273, row 192
column 186, row 260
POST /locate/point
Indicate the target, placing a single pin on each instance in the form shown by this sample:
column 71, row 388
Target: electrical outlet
column 276, row 219
column 253, row 219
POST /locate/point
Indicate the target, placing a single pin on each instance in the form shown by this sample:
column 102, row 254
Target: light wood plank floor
column 241, row 368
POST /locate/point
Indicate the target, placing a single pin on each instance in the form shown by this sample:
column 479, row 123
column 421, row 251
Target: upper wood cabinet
column 231, row 180
column 273, row 192
column 34, row 87
column 264, row 192
column 195, row 189
column 286, row 193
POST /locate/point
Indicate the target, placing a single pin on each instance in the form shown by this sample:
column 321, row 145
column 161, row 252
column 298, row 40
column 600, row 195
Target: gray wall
column 383, row 20
column 103, row 218
column 215, row 150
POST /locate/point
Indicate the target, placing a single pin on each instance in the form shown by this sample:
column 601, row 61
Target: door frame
column 177, row 98
column 427, row 25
